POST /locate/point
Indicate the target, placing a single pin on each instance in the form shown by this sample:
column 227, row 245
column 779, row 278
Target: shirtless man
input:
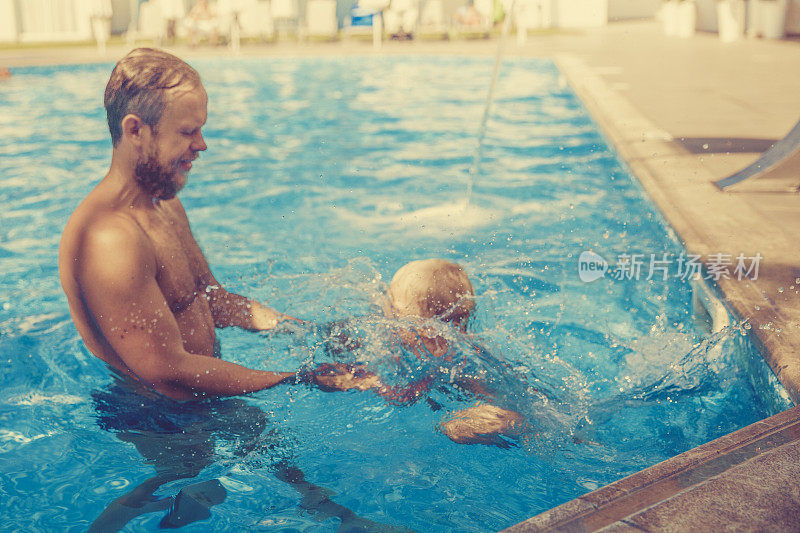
column 139, row 289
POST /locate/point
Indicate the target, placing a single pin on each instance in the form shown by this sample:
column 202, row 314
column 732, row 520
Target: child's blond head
column 432, row 288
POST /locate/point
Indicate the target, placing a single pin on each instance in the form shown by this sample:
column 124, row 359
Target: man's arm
column 117, row 279
column 227, row 308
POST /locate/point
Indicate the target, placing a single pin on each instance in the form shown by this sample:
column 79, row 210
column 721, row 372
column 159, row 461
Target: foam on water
column 35, row 398
column 445, row 218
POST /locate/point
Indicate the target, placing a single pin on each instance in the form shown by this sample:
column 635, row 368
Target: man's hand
column 265, row 318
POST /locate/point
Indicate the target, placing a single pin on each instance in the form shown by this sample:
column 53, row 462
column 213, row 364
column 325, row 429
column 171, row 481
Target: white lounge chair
column 151, row 23
column 285, row 16
column 432, row 20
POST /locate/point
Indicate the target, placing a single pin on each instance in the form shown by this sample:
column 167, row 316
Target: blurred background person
column 467, row 16
column 203, row 22
column 229, row 15
column 401, row 19
column 172, row 12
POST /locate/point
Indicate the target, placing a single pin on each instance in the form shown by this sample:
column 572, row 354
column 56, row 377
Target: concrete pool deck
column 683, row 113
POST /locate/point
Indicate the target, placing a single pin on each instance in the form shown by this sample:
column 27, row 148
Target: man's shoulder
column 113, row 232
column 115, row 250
column 90, row 223
column 105, row 234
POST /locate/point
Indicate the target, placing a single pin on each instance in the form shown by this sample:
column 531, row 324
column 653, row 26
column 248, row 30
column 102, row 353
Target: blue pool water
column 322, row 177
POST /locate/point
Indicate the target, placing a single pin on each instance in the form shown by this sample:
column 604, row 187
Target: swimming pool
column 322, row 177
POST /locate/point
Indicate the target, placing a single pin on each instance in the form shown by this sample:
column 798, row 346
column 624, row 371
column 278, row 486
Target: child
column 432, row 288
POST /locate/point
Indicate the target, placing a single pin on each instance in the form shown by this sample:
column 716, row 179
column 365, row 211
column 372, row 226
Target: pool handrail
column 782, row 155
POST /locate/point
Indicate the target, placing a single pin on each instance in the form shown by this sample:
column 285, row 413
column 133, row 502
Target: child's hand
column 340, row 377
column 482, row 423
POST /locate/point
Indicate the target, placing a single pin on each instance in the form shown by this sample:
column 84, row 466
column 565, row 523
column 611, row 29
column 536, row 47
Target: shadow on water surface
column 182, row 440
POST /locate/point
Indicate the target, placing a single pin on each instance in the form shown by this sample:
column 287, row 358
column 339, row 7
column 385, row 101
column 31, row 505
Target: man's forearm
column 196, row 375
column 229, row 309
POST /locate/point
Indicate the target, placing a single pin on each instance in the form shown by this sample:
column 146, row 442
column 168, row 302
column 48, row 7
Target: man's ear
column 135, row 130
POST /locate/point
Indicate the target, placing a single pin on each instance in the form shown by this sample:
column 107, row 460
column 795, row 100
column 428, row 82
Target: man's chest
column 180, row 266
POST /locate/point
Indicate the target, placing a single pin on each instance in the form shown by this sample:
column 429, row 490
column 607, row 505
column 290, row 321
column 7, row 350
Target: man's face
column 176, row 141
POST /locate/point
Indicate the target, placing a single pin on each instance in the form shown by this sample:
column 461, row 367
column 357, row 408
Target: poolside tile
column 605, row 495
column 768, row 485
column 784, row 417
column 565, row 517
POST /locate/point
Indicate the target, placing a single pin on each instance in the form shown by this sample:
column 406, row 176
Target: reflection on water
column 181, row 440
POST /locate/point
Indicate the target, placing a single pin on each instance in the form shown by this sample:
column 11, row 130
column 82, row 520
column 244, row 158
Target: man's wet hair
column 139, row 85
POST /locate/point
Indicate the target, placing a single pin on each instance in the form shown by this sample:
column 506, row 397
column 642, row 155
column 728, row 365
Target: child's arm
column 406, row 394
column 339, row 377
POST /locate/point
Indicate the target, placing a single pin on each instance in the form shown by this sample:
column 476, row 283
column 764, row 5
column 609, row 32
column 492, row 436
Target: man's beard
column 156, row 180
